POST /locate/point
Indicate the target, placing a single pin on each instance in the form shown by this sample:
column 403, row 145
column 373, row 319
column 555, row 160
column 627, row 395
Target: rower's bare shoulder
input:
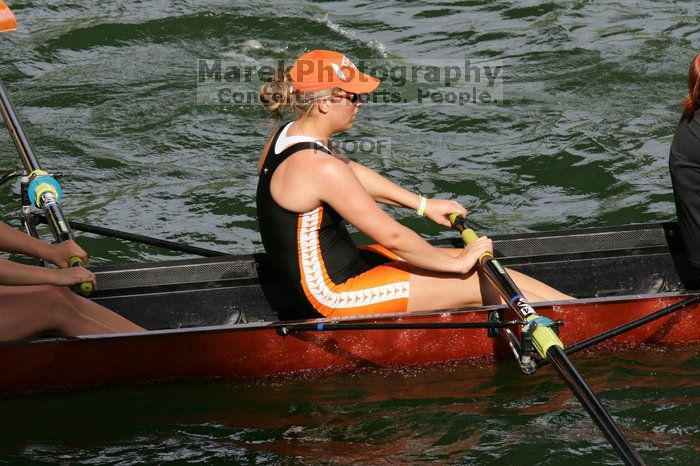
column 319, row 163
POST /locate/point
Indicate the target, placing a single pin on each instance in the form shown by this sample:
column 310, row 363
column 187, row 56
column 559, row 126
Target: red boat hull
column 258, row 350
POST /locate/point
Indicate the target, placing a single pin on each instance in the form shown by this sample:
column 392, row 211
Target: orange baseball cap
column 7, row 19
column 325, row 69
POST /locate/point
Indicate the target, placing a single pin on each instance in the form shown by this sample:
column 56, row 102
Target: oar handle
column 85, row 288
column 468, row 235
column 543, row 337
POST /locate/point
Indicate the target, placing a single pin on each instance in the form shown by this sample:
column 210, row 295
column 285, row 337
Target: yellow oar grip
column 468, row 235
column 544, row 338
column 85, row 288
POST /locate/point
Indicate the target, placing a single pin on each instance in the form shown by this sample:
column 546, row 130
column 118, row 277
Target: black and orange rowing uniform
column 315, row 257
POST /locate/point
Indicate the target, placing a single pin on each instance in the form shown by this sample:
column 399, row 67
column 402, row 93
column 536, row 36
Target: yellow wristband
column 421, row 207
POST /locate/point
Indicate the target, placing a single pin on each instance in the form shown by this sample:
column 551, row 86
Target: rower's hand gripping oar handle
column 85, row 288
column 45, row 193
column 543, row 336
column 468, row 235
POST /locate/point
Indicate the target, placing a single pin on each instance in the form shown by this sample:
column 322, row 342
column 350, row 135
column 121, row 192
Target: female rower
column 684, row 163
column 36, row 300
column 307, row 189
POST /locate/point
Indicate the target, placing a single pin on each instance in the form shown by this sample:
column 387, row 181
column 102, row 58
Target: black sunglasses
column 354, row 98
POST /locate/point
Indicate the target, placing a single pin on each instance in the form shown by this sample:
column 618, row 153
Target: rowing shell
column 258, row 349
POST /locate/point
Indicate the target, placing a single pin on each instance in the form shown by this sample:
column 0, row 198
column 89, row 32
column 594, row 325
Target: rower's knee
column 49, row 308
column 53, row 298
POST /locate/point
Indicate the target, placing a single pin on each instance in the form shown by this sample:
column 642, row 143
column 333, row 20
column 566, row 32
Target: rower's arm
column 12, row 273
column 15, row 241
column 381, row 189
column 336, row 185
column 386, row 192
column 15, row 274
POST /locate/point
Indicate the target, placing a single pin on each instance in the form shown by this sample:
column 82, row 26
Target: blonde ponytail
column 278, row 95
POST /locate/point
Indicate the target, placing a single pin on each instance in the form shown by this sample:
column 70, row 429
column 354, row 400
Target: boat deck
column 212, row 291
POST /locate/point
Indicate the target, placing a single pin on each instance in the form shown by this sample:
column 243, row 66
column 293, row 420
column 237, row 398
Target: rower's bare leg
column 535, row 290
column 99, row 313
column 26, row 311
column 435, row 290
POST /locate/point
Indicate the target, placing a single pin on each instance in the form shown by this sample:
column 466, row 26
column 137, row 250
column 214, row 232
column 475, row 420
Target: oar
column 629, row 326
column 548, row 345
column 44, row 191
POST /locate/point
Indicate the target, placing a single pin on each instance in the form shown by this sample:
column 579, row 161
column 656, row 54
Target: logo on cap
column 339, row 72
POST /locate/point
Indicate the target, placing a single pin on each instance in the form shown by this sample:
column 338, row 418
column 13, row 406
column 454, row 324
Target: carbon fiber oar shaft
column 547, row 343
column 46, row 190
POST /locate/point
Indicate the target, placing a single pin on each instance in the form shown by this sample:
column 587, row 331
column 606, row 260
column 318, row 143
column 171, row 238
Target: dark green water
column 107, row 91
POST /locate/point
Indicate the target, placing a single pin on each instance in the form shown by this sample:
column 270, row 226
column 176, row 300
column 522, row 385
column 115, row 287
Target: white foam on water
column 232, row 54
column 374, row 44
column 253, row 44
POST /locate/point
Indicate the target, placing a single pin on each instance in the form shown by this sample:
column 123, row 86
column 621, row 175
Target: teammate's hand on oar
column 68, row 255
column 61, row 253
column 437, row 210
column 72, row 276
column 472, row 252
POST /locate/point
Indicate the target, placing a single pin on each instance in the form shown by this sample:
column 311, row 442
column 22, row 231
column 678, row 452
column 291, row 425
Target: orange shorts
column 383, row 289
